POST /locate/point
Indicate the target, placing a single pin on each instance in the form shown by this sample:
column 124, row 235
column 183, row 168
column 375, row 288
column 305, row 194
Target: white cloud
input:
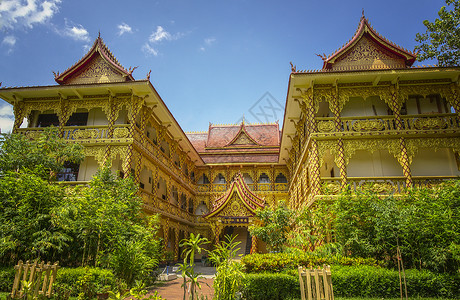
column 9, row 40
column 74, row 31
column 149, row 50
column 124, row 28
column 209, row 41
column 6, row 117
column 159, row 35
column 26, row 12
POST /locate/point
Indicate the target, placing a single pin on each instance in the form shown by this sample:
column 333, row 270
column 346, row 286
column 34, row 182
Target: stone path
column 173, row 290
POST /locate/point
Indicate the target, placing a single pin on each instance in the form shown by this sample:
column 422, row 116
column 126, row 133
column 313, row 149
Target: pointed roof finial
column 99, row 34
column 242, row 121
column 363, row 14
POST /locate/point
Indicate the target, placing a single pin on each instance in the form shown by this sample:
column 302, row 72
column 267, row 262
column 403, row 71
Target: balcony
column 378, row 124
column 381, row 185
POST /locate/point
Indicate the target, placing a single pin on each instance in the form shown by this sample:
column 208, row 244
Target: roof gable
column 99, row 65
column 242, row 138
column 368, row 50
column 238, row 201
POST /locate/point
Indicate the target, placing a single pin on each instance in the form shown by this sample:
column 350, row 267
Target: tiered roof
column 98, row 65
column 242, row 143
column 250, row 201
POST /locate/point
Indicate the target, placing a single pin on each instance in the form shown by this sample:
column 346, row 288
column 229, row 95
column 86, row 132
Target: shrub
column 6, row 279
column 368, row 281
column 85, row 281
column 277, row 262
column 270, row 286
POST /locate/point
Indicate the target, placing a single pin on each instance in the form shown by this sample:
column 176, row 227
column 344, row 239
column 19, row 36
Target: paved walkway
column 173, row 290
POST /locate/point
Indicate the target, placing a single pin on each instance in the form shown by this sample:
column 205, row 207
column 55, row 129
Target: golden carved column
column 145, row 114
column 166, row 233
column 395, row 106
column 155, row 182
column 313, row 159
column 133, row 110
column 253, row 244
column 112, row 112
column 176, row 243
column 18, row 110
column 341, row 163
column 64, row 114
column 455, row 99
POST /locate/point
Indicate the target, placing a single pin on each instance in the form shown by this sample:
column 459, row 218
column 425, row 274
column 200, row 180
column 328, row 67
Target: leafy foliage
column 44, row 155
column 105, row 213
column 27, row 227
column 273, row 226
column 192, row 246
column 270, row 286
column 423, row 223
column 229, row 275
column 442, row 37
column 279, row 262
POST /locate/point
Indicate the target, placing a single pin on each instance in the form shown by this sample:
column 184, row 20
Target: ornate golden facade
column 366, row 118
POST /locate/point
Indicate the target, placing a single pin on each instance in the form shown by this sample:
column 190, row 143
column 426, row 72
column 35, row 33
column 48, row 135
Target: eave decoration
column 367, row 49
column 237, row 202
column 97, row 66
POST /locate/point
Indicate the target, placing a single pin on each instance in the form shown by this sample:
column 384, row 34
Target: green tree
column 44, row 155
column 229, row 273
column 273, row 226
column 441, row 40
column 27, row 227
column 104, row 213
column 192, row 246
column 424, row 223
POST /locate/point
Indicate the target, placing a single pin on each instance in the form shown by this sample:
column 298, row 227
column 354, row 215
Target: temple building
column 366, row 118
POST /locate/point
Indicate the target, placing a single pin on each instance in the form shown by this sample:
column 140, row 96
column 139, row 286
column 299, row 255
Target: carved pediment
column 243, row 139
column 96, row 71
column 367, row 54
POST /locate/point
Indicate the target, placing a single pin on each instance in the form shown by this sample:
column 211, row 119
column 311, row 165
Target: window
column 47, row 120
column 78, row 119
column 69, row 172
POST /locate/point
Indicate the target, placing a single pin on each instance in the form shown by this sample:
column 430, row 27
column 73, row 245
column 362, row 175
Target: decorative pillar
column 166, row 234
column 253, row 244
column 112, row 112
column 176, row 243
column 145, row 114
column 19, row 110
column 133, row 110
column 64, row 114
column 455, row 99
column 313, row 159
column 403, row 158
column 341, row 163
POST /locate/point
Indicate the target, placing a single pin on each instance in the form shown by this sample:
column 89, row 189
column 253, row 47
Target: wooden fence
column 316, row 284
column 39, row 276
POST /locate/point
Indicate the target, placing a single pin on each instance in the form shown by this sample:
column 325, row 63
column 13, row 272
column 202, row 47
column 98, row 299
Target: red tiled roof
column 262, row 134
column 221, row 143
column 103, row 50
column 240, row 158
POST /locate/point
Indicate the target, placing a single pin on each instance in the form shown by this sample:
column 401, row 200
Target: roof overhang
column 141, row 88
column 304, row 80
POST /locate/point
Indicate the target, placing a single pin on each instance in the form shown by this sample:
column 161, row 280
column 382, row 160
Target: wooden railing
column 387, row 123
column 261, row 187
column 389, row 184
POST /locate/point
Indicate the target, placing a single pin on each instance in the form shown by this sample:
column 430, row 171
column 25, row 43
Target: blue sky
column 211, row 61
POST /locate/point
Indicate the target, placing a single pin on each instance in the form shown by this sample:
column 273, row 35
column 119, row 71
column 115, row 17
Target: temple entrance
column 242, row 236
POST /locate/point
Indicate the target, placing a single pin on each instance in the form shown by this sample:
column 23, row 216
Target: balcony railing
column 82, row 132
column 262, row 187
column 387, row 123
column 382, row 185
